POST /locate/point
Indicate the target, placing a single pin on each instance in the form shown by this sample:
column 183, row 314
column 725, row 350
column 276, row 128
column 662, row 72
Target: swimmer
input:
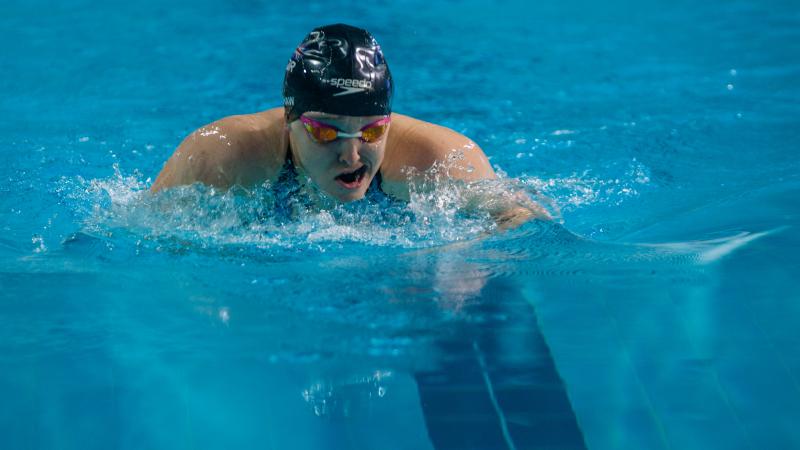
column 337, row 129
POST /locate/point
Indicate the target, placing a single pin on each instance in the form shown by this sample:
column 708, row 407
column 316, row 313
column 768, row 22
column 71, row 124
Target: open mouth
column 352, row 180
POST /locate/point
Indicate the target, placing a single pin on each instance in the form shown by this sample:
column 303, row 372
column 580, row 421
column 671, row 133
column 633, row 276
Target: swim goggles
column 324, row 133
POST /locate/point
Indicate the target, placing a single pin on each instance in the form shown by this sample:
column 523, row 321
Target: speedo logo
column 350, row 85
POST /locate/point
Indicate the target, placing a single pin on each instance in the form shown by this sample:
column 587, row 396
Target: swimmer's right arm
column 236, row 150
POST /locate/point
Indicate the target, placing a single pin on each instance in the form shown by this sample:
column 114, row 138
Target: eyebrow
column 332, row 121
column 327, row 121
column 328, row 116
column 325, row 116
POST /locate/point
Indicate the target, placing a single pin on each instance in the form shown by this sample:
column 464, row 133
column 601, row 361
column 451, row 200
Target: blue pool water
column 659, row 311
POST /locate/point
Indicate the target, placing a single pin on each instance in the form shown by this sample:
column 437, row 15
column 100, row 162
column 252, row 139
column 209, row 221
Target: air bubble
column 38, row 241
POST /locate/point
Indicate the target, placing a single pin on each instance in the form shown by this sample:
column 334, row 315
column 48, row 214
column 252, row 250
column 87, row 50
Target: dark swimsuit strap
column 378, row 180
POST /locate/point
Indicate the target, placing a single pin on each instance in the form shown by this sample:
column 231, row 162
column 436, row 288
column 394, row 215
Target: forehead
column 341, row 119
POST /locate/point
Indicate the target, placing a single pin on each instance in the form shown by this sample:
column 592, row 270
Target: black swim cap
column 338, row 69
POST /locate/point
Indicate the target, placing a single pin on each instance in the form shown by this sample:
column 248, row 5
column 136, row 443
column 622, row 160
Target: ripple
column 441, row 211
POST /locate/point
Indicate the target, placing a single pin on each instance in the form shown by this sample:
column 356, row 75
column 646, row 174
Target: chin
column 349, row 196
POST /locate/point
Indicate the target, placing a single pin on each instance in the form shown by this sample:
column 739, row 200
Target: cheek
column 376, row 154
column 316, row 159
column 309, row 152
column 372, row 151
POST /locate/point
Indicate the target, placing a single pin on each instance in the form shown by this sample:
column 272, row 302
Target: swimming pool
column 660, row 310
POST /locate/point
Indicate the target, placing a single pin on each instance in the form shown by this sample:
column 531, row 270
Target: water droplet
column 38, row 241
column 224, row 315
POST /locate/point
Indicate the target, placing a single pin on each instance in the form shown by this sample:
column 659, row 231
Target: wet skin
column 247, row 150
column 330, row 165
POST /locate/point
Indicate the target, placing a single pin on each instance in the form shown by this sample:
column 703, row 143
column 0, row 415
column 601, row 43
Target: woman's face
column 345, row 167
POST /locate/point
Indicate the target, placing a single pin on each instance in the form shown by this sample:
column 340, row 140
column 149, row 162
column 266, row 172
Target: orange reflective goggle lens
column 324, row 133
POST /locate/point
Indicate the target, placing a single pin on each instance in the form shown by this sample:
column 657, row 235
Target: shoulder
column 245, row 138
column 417, row 144
column 243, row 149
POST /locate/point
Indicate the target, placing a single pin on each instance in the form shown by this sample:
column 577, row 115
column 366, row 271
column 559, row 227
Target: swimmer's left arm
column 421, row 145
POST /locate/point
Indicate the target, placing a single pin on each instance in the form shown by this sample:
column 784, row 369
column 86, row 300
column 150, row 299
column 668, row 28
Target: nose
column 348, row 151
